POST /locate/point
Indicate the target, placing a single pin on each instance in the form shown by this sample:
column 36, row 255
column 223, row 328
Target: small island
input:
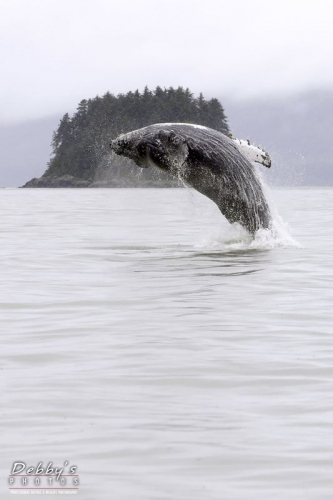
column 81, row 156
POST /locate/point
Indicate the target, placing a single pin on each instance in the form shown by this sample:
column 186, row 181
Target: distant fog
column 25, row 150
column 297, row 131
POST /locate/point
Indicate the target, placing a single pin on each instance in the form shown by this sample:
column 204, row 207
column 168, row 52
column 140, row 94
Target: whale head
column 152, row 146
column 208, row 161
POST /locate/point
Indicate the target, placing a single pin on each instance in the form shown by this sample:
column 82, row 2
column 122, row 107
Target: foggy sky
column 53, row 53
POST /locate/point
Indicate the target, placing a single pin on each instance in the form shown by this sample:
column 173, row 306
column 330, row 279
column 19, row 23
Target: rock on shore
column 68, row 181
column 65, row 181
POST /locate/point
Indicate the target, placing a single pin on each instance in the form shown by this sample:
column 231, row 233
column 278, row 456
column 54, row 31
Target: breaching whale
column 207, row 160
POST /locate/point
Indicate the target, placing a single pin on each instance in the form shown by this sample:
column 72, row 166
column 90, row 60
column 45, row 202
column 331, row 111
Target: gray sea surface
column 161, row 350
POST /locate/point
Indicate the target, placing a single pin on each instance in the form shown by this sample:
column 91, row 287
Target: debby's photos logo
column 42, row 479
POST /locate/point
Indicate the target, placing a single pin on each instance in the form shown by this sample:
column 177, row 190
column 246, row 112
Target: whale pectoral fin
column 178, row 160
column 264, row 159
column 253, row 153
column 177, row 149
column 183, row 152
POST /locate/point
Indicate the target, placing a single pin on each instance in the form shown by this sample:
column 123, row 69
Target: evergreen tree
column 81, row 143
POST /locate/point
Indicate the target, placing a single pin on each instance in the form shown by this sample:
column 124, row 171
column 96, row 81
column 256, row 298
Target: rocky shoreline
column 65, row 181
column 68, row 181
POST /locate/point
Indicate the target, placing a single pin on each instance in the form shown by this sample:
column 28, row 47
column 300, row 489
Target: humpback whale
column 217, row 166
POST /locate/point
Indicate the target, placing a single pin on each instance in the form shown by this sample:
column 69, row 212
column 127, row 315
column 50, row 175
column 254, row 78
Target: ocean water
column 163, row 352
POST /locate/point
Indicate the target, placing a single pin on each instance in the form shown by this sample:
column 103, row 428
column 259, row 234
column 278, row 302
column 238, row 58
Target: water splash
column 234, row 237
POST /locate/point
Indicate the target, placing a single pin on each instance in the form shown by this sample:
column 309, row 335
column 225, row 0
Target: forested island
column 81, row 155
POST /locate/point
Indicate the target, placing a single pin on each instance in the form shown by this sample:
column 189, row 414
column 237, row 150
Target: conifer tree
column 81, row 143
